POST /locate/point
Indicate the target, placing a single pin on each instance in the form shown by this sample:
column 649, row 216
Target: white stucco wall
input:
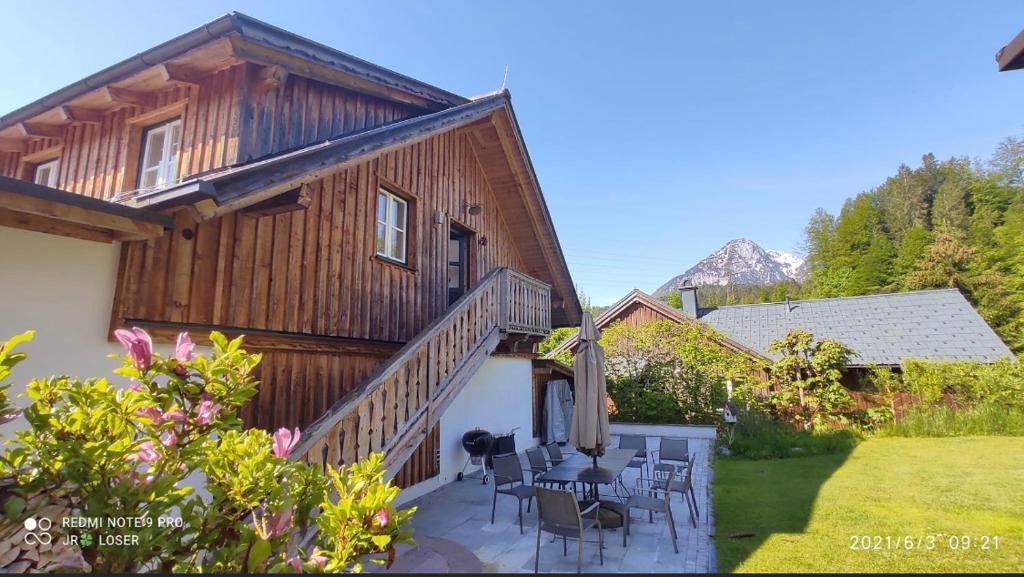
column 681, row 431
column 63, row 288
column 498, row 398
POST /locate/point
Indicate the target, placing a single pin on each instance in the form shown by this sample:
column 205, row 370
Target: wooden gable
column 638, row 308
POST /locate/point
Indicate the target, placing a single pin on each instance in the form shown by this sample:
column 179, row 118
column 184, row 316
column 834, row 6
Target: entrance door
column 458, row 264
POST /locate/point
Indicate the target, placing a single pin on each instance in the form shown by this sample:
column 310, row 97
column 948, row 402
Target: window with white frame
column 46, row 173
column 158, row 166
column 392, row 225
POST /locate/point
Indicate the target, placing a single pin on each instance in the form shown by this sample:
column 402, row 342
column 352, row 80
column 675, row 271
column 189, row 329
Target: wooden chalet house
column 383, row 242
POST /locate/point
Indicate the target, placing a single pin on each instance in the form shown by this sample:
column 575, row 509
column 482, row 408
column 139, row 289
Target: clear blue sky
column 659, row 130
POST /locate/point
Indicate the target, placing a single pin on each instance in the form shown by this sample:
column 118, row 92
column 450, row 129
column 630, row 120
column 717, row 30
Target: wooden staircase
column 395, row 409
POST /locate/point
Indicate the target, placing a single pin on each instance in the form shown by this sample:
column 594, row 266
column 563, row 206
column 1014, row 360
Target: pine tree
column 950, row 210
column 912, row 249
column 947, row 264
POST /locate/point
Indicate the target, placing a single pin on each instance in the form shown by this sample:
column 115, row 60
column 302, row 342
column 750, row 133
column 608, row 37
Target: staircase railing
column 394, row 409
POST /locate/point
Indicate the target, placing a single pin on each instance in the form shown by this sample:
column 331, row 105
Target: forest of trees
column 944, row 224
column 716, row 295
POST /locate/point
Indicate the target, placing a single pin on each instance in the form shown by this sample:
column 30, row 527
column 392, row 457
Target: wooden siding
column 297, row 387
column 302, row 111
column 227, row 117
column 95, row 158
column 314, row 271
column 423, row 464
column 638, row 314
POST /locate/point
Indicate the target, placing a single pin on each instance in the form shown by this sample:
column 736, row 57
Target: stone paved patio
column 460, row 513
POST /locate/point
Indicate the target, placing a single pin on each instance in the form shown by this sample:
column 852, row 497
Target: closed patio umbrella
column 589, row 432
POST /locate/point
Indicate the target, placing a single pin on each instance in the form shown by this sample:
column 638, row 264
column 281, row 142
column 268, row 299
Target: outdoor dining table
column 579, row 468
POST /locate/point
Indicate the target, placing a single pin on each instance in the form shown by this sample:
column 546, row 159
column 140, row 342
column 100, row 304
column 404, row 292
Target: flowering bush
column 169, row 456
column 668, row 372
column 807, row 377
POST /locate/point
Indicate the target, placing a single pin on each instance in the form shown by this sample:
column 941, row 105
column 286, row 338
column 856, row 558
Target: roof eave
column 32, row 206
column 1011, row 56
column 253, row 30
column 271, row 36
column 571, row 299
column 173, row 48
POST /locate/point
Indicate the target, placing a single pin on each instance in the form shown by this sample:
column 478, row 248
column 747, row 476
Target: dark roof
column 1011, row 56
column 881, row 329
column 33, row 190
column 40, row 208
column 288, row 169
column 254, row 31
column 637, row 296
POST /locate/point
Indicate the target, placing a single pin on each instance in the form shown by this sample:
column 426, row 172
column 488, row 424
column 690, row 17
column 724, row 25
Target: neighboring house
column 384, row 243
column 637, row 308
column 882, row 330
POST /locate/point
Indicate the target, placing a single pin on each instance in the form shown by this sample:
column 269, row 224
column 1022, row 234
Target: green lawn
column 804, row 512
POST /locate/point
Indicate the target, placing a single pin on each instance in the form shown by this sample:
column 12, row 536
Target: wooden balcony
column 394, row 410
column 527, row 304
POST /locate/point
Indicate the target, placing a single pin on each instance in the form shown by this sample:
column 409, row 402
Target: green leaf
column 258, row 553
column 381, row 541
column 14, row 507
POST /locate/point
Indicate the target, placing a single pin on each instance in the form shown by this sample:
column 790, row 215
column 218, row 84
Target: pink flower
column 147, row 453
column 279, row 522
column 296, row 564
column 135, row 386
column 177, row 415
column 318, row 560
column 138, row 345
column 206, row 412
column 383, row 517
column 285, row 441
column 183, row 348
column 8, row 418
column 169, row 439
column 151, row 413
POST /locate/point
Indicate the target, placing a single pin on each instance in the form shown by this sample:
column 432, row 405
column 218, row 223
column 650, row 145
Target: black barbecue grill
column 482, row 445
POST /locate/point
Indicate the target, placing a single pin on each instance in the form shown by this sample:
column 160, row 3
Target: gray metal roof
column 881, row 329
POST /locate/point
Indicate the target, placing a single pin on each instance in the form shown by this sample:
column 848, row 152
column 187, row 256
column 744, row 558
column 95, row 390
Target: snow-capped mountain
column 790, row 262
column 740, row 262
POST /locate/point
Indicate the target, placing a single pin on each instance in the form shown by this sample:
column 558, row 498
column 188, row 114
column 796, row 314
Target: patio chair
column 649, row 497
column 538, row 466
column 674, row 450
column 558, row 513
column 638, row 442
column 508, row 471
column 683, row 487
column 556, row 457
column 554, row 453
